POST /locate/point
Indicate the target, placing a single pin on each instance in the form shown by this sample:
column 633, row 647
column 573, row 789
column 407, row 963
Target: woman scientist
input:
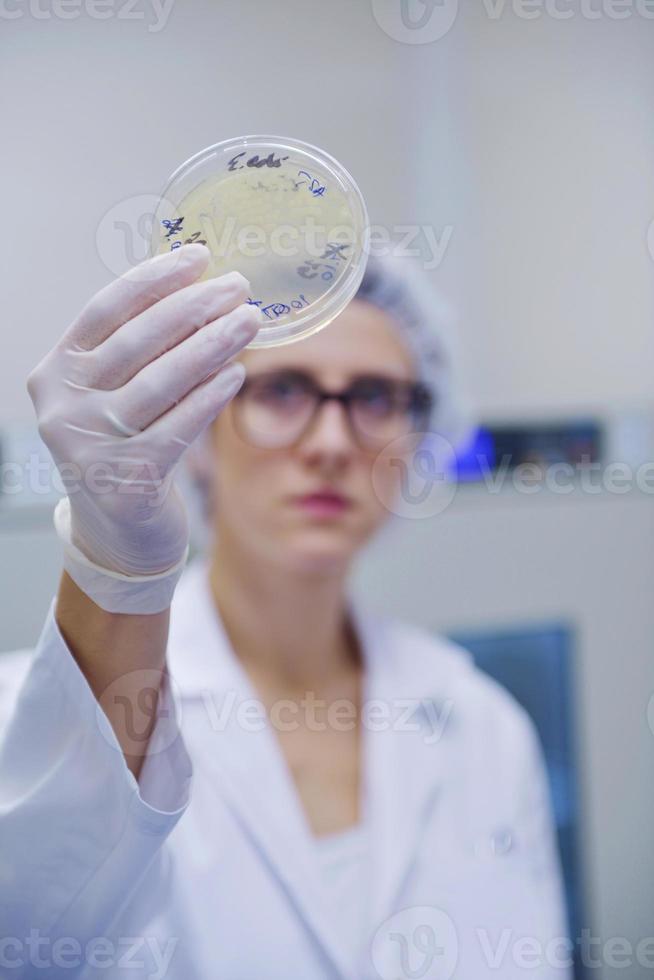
column 248, row 776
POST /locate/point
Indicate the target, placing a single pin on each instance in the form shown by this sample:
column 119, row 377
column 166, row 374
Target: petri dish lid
column 285, row 214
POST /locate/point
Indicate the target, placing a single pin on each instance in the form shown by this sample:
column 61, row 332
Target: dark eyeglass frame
column 417, row 398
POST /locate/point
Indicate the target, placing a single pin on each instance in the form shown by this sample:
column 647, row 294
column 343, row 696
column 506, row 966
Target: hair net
column 425, row 324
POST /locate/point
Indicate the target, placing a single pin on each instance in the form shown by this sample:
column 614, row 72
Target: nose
column 329, row 433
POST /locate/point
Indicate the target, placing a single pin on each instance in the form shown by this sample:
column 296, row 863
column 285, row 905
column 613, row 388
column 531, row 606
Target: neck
column 288, row 628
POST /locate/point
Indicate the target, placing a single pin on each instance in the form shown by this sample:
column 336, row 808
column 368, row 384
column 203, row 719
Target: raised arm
column 134, row 380
column 94, row 773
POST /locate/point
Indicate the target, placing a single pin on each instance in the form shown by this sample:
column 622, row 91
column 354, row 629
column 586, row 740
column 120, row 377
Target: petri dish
column 285, row 214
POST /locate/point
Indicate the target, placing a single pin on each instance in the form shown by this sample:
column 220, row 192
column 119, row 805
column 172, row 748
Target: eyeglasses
column 275, row 409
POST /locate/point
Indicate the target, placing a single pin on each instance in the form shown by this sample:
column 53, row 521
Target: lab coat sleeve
column 78, row 832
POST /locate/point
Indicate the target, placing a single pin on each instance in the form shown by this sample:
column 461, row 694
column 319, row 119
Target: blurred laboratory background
column 511, row 146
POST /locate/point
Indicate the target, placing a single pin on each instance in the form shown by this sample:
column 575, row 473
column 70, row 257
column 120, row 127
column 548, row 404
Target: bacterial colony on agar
column 285, row 215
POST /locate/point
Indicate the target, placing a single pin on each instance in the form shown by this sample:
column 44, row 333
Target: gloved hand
column 135, row 379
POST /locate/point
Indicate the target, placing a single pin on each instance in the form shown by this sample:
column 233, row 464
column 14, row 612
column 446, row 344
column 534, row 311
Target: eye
column 281, row 392
column 374, row 397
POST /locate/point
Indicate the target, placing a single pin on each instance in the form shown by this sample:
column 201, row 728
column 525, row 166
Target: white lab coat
column 214, row 877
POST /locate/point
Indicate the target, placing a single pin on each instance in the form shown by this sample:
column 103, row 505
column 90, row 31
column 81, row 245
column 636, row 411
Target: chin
column 320, row 551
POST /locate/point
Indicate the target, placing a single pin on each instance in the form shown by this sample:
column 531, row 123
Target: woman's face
column 258, row 491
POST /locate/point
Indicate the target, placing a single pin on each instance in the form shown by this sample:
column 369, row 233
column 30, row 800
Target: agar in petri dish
column 285, row 214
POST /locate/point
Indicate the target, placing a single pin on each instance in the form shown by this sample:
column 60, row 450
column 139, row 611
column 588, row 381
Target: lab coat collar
column 405, row 689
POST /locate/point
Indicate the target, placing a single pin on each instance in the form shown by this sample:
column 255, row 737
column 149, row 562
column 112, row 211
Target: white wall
column 541, row 160
column 557, row 124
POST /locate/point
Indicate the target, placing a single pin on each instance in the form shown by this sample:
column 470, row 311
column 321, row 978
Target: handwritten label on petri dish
column 335, row 252
column 275, row 310
column 236, row 163
column 316, row 188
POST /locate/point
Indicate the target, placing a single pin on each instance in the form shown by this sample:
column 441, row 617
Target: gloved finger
column 135, row 291
column 160, row 328
column 173, row 433
column 165, row 381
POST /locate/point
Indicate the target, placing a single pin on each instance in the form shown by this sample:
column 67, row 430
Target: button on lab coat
column 206, row 868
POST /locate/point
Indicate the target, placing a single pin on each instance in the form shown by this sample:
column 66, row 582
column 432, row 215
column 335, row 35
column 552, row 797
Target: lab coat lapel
column 252, row 778
column 404, row 763
column 406, row 755
column 246, row 765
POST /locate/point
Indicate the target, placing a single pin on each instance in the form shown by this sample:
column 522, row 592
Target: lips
column 324, row 502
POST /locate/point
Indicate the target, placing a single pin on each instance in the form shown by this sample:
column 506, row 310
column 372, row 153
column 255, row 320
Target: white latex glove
column 135, row 379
